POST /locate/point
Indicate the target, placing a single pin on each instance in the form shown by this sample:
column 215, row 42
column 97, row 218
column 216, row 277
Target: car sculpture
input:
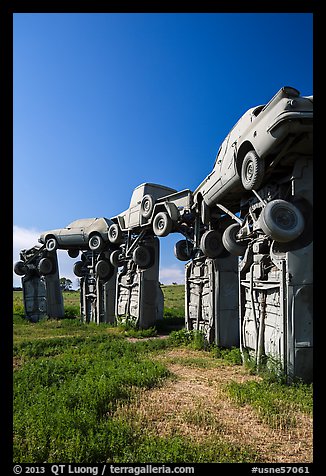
column 258, row 142
column 154, row 209
column 266, row 136
column 82, row 234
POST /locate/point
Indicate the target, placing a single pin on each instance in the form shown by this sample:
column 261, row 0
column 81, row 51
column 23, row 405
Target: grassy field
column 91, row 394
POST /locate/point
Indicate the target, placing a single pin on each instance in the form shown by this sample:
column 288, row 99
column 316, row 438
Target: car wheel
column 183, row 250
column 282, row 221
column 104, row 270
column 51, row 244
column 252, row 171
column 73, row 253
column 162, row 224
column 211, row 244
column 78, row 269
column 142, row 256
column 147, row 206
column 45, row 266
column 230, row 242
column 20, row 268
column 115, row 234
column 115, row 258
column 95, row 242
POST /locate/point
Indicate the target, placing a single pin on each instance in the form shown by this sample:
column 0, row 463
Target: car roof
column 155, row 185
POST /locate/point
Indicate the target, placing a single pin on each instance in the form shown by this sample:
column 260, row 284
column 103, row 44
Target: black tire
column 95, row 242
column 104, row 270
column 252, row 171
column 20, row 268
column 73, row 253
column 142, row 256
column 211, row 244
column 45, row 266
column 51, row 244
column 162, row 224
column 229, row 240
column 115, row 258
column 282, row 221
column 183, row 250
column 147, row 206
column 115, row 234
column 78, row 269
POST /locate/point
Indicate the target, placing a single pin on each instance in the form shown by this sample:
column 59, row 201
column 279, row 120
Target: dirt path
column 195, row 404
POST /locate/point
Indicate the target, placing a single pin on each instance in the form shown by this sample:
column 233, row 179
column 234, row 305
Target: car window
column 257, row 110
column 81, row 223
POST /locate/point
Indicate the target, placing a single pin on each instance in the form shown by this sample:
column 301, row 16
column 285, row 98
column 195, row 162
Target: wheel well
column 199, row 199
column 94, row 232
column 158, row 207
column 244, row 148
column 50, row 236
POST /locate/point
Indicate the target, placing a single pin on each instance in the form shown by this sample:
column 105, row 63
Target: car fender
column 172, row 211
column 170, row 208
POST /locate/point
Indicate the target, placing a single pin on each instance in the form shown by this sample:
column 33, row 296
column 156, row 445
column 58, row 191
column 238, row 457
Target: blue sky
column 104, row 102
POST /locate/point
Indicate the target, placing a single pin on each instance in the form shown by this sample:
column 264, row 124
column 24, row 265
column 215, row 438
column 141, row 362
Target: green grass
column 275, row 403
column 70, row 377
column 67, row 390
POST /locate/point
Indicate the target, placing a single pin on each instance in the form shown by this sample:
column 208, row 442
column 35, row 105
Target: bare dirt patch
column 194, row 403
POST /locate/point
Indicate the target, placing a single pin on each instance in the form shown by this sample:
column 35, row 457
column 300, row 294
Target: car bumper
column 298, row 121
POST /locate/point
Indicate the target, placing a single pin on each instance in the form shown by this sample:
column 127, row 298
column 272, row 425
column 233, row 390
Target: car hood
column 49, row 232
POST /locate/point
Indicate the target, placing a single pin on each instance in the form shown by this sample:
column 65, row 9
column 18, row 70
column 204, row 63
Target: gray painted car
column 85, row 233
column 142, row 209
column 265, row 136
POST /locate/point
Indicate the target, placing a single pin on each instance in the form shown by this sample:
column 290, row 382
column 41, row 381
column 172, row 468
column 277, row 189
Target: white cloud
column 172, row 274
column 25, row 238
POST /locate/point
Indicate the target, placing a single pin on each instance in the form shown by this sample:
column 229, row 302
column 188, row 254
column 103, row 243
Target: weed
column 275, row 403
column 140, row 333
column 71, row 311
column 62, row 405
column 232, row 356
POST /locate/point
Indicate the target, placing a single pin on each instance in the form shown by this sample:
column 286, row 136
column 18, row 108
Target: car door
column 75, row 233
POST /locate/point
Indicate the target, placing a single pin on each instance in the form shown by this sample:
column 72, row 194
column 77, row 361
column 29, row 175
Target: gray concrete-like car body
column 140, row 211
column 261, row 138
column 85, row 233
column 152, row 207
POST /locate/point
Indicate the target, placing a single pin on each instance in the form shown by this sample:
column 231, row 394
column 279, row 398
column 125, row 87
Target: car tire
column 211, row 244
column 162, row 224
column 20, row 268
column 45, row 266
column 115, row 258
column 78, row 269
column 73, row 253
column 95, row 242
column 183, row 250
column 104, row 270
column 115, row 234
column 282, row 221
column 147, row 206
column 51, row 244
column 229, row 240
column 142, row 256
column 252, row 171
